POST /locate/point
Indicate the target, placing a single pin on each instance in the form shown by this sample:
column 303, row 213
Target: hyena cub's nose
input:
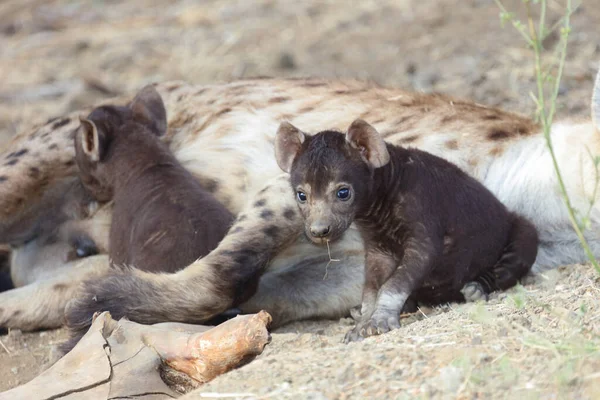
column 319, row 230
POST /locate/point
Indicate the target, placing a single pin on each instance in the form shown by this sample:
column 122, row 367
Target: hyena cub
column 163, row 220
column 432, row 233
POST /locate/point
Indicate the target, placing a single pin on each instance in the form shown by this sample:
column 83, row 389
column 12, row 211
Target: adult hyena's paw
column 473, row 291
column 378, row 324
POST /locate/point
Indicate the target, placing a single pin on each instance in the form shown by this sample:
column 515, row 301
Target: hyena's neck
column 152, row 156
column 385, row 189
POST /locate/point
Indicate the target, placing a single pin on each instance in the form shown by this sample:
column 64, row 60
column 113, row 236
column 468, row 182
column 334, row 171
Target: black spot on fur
column 409, row 139
column 12, row 162
column 260, row 203
column 34, row 172
column 245, row 256
column 271, row 231
column 279, row 99
column 305, row 110
column 314, row 84
column 263, row 190
column 402, row 120
column 69, row 163
column 347, row 91
column 491, row 117
column 17, row 154
column 452, row 144
column 61, row 122
column 448, row 118
column 211, row 185
column 223, row 112
column 51, row 120
column 498, row 134
column 53, row 146
column 59, row 287
column 266, row 214
column 289, row 214
column 3, row 178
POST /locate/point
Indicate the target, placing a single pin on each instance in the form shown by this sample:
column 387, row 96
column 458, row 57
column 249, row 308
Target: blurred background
column 59, row 55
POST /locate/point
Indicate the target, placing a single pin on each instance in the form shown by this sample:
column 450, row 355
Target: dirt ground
column 540, row 340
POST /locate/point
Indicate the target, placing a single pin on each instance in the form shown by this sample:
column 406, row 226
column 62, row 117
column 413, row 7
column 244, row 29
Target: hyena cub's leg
column 514, row 263
column 389, row 285
column 224, row 278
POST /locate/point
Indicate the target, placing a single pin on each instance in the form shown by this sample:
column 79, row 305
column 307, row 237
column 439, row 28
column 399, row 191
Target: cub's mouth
column 331, row 237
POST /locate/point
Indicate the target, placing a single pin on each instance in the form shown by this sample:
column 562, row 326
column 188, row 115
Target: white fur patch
column 596, row 102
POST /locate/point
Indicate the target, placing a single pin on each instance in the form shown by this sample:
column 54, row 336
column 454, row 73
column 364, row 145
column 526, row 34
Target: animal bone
column 124, row 359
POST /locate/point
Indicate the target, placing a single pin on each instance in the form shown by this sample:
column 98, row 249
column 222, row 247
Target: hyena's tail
column 517, row 258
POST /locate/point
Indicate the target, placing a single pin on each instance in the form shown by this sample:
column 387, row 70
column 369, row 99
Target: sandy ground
column 541, row 340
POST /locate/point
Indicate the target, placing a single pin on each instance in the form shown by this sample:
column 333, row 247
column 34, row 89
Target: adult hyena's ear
column 369, row 142
column 288, row 142
column 596, row 102
column 90, row 141
column 148, row 109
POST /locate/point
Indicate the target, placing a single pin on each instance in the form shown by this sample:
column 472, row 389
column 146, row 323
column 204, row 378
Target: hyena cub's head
column 331, row 174
column 94, row 142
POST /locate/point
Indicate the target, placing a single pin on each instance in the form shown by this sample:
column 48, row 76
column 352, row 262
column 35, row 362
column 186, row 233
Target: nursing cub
column 163, row 220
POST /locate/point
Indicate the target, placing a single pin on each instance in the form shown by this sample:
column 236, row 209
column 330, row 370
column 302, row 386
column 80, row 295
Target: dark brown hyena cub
column 432, row 233
column 162, row 220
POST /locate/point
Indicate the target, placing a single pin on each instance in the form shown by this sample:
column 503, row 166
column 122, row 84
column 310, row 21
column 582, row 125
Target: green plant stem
column 547, row 122
column 535, row 39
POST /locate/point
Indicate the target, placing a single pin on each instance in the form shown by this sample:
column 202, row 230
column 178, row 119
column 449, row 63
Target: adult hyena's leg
column 226, row 277
column 41, row 304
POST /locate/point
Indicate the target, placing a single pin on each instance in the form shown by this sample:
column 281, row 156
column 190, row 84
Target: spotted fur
column 224, row 133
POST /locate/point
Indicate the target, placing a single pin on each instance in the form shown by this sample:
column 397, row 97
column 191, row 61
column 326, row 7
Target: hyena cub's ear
column 367, row 140
column 596, row 102
column 90, row 140
column 288, row 142
column 148, row 109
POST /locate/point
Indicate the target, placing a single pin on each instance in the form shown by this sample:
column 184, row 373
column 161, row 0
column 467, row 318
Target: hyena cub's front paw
column 378, row 324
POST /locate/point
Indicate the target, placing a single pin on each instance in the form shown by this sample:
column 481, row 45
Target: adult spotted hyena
column 224, row 135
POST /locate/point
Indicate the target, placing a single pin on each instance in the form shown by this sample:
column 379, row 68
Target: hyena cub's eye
column 343, row 194
column 301, row 196
column 84, row 247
